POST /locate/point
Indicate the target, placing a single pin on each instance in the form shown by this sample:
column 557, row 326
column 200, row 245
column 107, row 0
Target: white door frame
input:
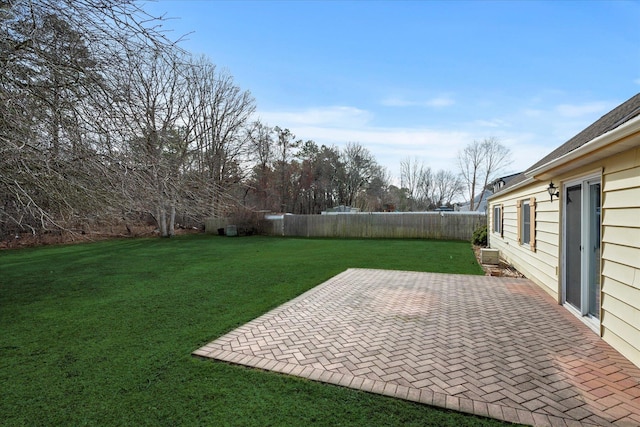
column 584, row 182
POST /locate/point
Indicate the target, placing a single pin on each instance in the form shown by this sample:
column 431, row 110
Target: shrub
column 479, row 237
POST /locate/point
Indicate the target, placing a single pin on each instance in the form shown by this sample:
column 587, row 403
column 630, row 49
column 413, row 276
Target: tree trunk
column 162, row 221
column 472, row 202
column 172, row 221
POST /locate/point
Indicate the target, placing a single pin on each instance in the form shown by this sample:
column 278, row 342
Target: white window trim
column 497, row 215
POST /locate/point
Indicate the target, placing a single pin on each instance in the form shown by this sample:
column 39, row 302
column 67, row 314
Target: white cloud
column 442, row 101
column 437, row 102
column 493, row 123
column 393, row 139
column 329, row 116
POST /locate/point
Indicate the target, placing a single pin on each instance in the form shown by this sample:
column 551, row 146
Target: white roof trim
column 628, row 128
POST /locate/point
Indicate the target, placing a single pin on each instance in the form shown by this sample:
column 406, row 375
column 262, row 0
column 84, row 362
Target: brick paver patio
column 497, row 347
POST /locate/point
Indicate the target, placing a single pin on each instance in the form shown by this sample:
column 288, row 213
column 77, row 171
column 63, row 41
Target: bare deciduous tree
column 444, row 188
column 480, row 162
column 218, row 135
column 376, row 195
column 261, row 146
column 415, row 177
column 286, row 143
column 56, row 168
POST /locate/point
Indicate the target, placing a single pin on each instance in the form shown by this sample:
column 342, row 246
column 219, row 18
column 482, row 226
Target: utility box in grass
column 232, row 230
column 490, row 256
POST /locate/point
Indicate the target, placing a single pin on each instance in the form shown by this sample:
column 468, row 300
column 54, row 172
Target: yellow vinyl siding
column 629, row 160
column 628, row 218
column 546, row 227
column 621, row 327
column 545, row 217
column 629, row 198
column 623, row 346
column 621, row 291
column 622, row 273
column 547, row 253
column 620, row 264
column 538, row 260
column 621, row 254
column 547, row 231
column 621, row 180
column 623, row 310
column 510, row 224
column 621, row 236
column 547, row 236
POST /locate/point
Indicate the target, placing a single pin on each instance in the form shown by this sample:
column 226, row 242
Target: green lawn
column 101, row 333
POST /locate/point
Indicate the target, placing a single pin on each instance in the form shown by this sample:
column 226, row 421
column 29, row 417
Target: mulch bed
column 503, row 269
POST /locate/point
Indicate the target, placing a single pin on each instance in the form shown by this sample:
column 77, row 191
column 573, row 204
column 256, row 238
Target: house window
column 525, row 223
column 497, row 219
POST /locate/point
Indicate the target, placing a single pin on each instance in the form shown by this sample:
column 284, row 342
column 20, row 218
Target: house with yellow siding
column 571, row 224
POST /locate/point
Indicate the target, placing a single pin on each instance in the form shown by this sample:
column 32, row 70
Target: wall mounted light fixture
column 553, row 191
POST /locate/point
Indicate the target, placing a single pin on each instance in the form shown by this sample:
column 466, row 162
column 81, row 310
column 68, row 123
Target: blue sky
column 421, row 79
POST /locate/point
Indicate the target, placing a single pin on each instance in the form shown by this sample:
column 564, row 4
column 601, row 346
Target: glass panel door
column 573, row 246
column 581, row 223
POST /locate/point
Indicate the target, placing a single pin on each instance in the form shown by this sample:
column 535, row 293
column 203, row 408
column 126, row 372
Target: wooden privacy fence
column 404, row 225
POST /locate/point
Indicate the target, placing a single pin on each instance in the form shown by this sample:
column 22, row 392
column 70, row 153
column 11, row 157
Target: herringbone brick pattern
column 498, row 347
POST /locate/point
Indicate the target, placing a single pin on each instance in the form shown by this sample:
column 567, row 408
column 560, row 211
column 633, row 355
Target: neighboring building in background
column 502, row 182
column 479, row 205
column 480, row 201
